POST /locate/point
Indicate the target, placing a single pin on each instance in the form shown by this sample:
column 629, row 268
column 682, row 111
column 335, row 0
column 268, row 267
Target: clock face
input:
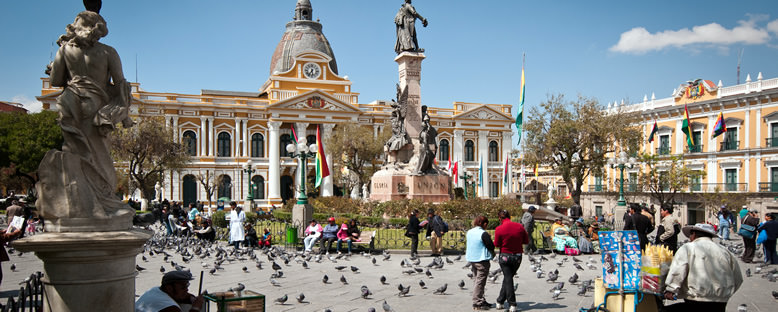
column 311, row 70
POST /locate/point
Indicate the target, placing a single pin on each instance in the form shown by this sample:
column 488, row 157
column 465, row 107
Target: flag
column 448, row 168
column 480, row 172
column 653, row 132
column 505, row 172
column 536, row 172
column 686, row 128
column 520, row 115
column 720, row 126
column 295, row 136
column 455, row 172
column 322, row 171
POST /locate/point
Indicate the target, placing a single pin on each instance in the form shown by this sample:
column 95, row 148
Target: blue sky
column 609, row 50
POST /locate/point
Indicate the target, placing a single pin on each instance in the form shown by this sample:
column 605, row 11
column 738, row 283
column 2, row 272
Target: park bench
column 366, row 238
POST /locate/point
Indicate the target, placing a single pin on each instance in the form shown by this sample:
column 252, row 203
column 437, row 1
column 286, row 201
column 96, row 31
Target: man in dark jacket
column 640, row 223
column 576, row 212
column 435, row 231
column 770, row 226
column 412, row 231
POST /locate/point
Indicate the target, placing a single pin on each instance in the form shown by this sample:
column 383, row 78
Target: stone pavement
column 532, row 294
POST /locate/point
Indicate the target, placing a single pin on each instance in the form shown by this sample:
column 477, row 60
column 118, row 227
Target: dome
column 302, row 34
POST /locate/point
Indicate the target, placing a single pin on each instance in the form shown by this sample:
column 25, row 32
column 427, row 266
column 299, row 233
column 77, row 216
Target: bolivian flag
column 322, row 171
column 686, row 128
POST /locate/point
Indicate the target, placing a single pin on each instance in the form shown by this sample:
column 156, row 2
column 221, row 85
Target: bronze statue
column 399, row 137
column 405, row 20
column 429, row 147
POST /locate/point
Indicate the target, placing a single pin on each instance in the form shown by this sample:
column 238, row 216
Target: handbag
column 762, row 237
column 745, row 232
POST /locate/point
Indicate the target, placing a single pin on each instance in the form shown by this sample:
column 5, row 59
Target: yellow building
column 743, row 160
column 225, row 129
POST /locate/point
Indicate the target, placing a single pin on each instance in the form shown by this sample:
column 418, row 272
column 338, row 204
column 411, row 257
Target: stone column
column 375, row 130
column 326, row 185
column 483, row 157
column 274, row 172
column 211, row 138
column 459, row 151
column 246, row 138
column 301, row 128
column 506, row 152
column 176, row 135
column 410, row 76
column 236, row 133
column 711, row 141
column 201, row 151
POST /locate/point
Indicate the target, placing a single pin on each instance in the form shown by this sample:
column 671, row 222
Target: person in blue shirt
column 329, row 235
column 193, row 212
column 725, row 221
column 480, row 250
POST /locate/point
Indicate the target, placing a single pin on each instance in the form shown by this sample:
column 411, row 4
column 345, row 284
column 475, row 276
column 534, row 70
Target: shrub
column 218, row 219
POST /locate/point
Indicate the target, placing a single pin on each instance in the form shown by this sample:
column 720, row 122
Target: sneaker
column 499, row 306
column 513, row 309
column 482, row 307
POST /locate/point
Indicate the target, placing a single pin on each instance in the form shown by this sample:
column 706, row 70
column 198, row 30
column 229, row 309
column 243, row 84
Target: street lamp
column 466, row 177
column 248, row 170
column 303, row 153
column 621, row 163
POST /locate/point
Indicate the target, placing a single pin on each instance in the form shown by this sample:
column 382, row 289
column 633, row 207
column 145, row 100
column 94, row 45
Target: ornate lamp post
column 466, row 178
column 303, row 153
column 249, row 171
column 621, row 162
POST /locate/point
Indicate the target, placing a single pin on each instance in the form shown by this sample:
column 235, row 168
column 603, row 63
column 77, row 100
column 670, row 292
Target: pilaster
column 274, row 172
column 483, row 158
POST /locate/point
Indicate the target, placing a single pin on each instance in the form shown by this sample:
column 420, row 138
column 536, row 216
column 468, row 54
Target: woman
column 412, row 231
column 562, row 237
column 237, row 217
column 266, row 238
column 480, row 250
column 312, row 234
column 750, row 219
column 725, row 219
column 770, row 226
column 349, row 233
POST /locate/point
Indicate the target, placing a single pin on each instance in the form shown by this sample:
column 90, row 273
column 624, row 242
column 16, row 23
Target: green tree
column 573, row 137
column 713, row 201
column 24, row 140
column 666, row 176
column 146, row 151
column 354, row 147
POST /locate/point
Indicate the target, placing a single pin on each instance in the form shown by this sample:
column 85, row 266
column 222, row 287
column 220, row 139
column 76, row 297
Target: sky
column 607, row 50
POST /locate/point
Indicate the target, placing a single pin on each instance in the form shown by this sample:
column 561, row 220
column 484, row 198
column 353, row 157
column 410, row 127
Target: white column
column 458, row 152
column 749, row 187
column 483, row 159
column 747, row 130
column 301, row 128
column 680, row 137
column 246, row 138
column 176, row 134
column 375, row 130
column 506, row 152
column 274, row 172
column 211, row 138
column 326, row 185
column 236, row 139
column 711, row 141
column 201, row 147
column 759, row 128
column 758, row 166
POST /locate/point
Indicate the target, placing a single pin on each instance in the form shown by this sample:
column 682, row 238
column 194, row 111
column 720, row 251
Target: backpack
column 445, row 226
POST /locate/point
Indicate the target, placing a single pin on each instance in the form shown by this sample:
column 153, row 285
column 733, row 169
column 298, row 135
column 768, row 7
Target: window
column 469, row 150
column 311, row 139
column 286, row 139
column 223, row 145
column 494, row 151
column 225, row 186
column 633, row 182
column 730, row 140
column 598, row 183
column 697, row 138
column 443, row 150
column 664, row 145
column 730, row 178
column 598, row 212
column 258, row 191
column 772, row 141
column 494, row 189
column 774, row 179
column 190, row 141
column 696, row 183
column 257, row 145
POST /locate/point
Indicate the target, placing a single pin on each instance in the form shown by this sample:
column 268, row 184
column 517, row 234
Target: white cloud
column 639, row 40
column 32, row 105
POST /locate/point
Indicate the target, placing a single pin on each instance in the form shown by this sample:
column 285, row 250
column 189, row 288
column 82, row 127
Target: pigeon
column 212, row 271
column 578, row 266
column 386, row 307
column 325, row 278
column 383, row 280
column 556, row 294
column 428, row 273
column 449, row 261
column 558, row 286
column 238, row 288
column 354, row 269
column 441, row 290
column 365, row 292
column 305, row 264
column 340, row 267
column 582, row 292
column 282, row 300
column 300, row 297
column 422, row 284
column 552, row 277
column 276, row 266
column 573, row 278
column 275, row 283
column 748, row 272
column 540, row 274
column 461, row 284
column 775, row 294
column 371, row 309
column 245, row 270
column 137, row 267
column 403, row 290
column 343, row 280
column 144, row 259
column 374, row 262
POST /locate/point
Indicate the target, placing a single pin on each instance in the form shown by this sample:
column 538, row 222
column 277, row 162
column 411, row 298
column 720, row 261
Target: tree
column 24, row 140
column 574, row 137
column 666, row 176
column 146, row 151
column 354, row 147
column 712, row 202
column 209, row 184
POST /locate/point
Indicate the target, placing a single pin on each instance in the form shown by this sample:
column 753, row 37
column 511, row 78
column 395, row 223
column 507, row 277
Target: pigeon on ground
column 573, row 279
column 441, row 290
column 365, row 292
column 212, row 271
column 275, row 266
column 748, row 272
column 373, row 261
column 429, row 274
column 325, row 278
column 461, row 284
column 340, row 267
column 275, row 283
column 282, row 300
column 371, row 309
column 539, row 274
column 386, row 307
column 775, row 294
column 300, row 298
column 144, row 259
column 558, row 286
column 422, row 284
column 578, row 266
column 556, row 294
column 245, row 270
column 582, row 291
column 403, row 290
column 354, row 269
column 137, row 267
column 343, row 280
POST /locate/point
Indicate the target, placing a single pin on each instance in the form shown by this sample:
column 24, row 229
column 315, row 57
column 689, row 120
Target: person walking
column 412, row 231
column 667, row 232
column 750, row 220
column 528, row 221
column 690, row 276
column 725, row 220
column 480, row 250
column 770, row 226
column 640, row 223
column 435, row 230
column 510, row 237
column 237, row 217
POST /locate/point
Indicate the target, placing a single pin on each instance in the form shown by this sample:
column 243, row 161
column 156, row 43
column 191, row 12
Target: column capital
column 274, row 125
column 301, row 128
column 327, row 128
column 507, row 135
column 459, row 133
column 483, row 133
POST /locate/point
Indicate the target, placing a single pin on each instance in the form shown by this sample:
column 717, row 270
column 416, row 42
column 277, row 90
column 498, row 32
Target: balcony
column 729, row 146
column 720, row 187
column 768, row 186
column 663, row 150
column 598, row 188
column 771, row 142
column 698, row 148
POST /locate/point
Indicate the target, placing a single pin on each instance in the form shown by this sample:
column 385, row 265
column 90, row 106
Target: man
column 770, row 226
column 528, row 221
column 639, row 223
column 14, row 210
column 435, row 231
column 405, row 20
column 480, row 250
column 412, row 231
column 649, row 213
column 171, row 296
column 237, row 217
column 725, row 221
column 667, row 233
column 749, row 243
column 576, row 211
column 510, row 237
column 329, row 235
column 703, row 273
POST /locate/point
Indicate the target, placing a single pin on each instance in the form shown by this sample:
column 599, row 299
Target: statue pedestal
column 301, row 216
column 85, row 271
column 551, row 204
column 409, row 69
column 427, row 188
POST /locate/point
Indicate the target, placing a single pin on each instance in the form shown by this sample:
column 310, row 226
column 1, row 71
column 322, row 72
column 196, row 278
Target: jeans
column 328, row 241
column 724, row 232
column 309, row 241
column 509, row 264
column 337, row 247
column 770, row 255
column 480, row 271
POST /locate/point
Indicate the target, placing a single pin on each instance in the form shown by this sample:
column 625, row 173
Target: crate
column 249, row 301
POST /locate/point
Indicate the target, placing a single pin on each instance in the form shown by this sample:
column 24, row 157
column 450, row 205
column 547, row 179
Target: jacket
column 771, row 228
column 510, row 237
column 413, row 225
column 704, row 271
column 435, row 224
column 330, row 231
column 479, row 245
column 528, row 221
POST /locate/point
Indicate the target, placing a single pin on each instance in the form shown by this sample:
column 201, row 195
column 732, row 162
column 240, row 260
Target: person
column 480, row 250
column 329, row 235
column 749, row 243
column 561, row 236
column 725, row 220
column 649, row 213
column 166, row 221
column 237, row 217
column 770, row 226
column 412, row 231
column 510, row 237
column 251, row 239
column 266, row 239
column 703, row 273
column 204, row 230
column 528, row 221
column 435, row 230
column 312, row 234
column 349, row 232
column 639, row 223
column 557, row 225
column 667, row 233
column 594, row 236
column 576, row 211
column 4, row 239
column 405, row 22
column 742, row 214
column 14, row 210
column 193, row 212
column 171, row 296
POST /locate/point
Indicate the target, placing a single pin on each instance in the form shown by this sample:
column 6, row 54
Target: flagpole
column 521, row 132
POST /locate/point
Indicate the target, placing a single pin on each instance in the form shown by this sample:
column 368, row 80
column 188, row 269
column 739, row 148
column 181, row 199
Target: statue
column 399, row 137
column 405, row 20
column 365, row 192
column 550, row 190
column 428, row 145
column 77, row 184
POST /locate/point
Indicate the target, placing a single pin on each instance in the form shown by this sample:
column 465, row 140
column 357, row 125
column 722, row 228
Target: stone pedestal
column 428, row 188
column 301, row 216
column 410, row 75
column 551, row 204
column 87, row 271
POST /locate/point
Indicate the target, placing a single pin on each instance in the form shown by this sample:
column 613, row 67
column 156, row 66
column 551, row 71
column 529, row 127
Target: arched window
column 286, row 139
column 311, row 139
column 258, row 192
column 494, row 151
column 225, row 186
column 443, row 150
column 257, row 145
column 469, row 150
column 190, row 141
column 223, row 145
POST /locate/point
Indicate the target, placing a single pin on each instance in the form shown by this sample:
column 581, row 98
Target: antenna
column 136, row 67
column 739, row 59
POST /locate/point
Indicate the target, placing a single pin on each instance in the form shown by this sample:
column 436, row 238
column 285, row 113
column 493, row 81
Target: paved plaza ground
column 532, row 294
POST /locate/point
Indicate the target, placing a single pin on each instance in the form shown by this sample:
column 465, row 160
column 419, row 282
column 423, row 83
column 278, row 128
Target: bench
column 366, row 238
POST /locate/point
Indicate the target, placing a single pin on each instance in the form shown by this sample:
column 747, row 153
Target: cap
column 532, row 209
column 745, row 207
column 176, row 276
column 331, row 219
column 700, row 227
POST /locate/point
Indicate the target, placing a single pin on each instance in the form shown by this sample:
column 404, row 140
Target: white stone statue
column 158, row 190
column 365, row 192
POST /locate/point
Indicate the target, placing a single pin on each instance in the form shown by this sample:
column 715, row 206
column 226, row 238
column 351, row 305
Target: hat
column 312, row 220
column 532, row 209
column 700, row 227
column 176, row 276
column 331, row 219
column 745, row 207
column 581, row 220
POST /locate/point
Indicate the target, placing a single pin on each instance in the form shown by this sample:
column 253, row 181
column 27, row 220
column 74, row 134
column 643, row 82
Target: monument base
column 301, row 216
column 84, row 271
column 427, row 188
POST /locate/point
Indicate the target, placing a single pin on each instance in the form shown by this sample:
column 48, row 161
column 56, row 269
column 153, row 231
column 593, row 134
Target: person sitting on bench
column 329, row 235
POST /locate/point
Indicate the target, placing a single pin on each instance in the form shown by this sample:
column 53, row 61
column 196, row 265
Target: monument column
column 410, row 76
column 459, row 145
column 483, row 157
column 506, row 152
column 326, row 185
column 274, row 172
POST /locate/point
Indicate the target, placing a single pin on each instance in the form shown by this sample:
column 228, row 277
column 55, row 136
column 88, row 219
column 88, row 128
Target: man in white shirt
column 172, row 296
column 703, row 273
